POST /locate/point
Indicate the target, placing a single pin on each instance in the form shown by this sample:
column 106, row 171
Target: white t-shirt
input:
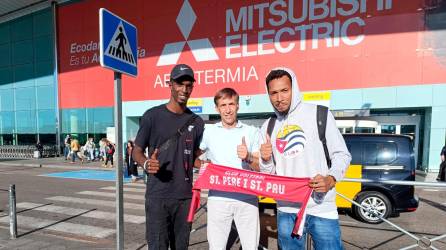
column 221, row 143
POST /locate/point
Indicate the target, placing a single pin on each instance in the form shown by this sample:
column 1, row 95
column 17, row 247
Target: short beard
column 283, row 113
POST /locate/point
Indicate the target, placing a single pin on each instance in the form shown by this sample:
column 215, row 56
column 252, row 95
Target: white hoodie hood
column 296, row 97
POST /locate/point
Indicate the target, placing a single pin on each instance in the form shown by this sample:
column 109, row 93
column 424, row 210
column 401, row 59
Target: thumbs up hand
column 153, row 165
column 266, row 149
column 242, row 150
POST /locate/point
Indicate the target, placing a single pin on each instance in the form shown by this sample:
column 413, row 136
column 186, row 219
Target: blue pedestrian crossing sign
column 118, row 43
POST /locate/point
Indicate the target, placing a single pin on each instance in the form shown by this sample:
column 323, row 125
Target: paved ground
column 60, row 213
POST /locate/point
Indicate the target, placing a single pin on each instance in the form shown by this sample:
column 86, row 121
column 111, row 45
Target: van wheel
column 376, row 201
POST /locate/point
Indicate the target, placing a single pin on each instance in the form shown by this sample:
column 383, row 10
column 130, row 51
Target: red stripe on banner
column 228, row 179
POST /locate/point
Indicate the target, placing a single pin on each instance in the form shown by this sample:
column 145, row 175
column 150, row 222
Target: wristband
column 145, row 164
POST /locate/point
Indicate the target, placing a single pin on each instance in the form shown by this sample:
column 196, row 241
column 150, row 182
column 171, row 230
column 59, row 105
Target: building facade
column 378, row 60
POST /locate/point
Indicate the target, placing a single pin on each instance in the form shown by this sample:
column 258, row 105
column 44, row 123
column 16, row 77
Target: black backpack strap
column 321, row 115
column 269, row 131
column 173, row 139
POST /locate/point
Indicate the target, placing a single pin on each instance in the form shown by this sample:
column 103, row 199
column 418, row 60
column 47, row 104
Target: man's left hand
column 322, row 183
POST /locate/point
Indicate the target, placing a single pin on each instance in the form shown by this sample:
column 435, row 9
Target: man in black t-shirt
column 172, row 135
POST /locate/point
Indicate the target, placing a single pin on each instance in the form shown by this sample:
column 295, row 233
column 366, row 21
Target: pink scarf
column 228, row 179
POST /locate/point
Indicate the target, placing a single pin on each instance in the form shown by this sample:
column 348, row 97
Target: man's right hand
column 153, row 165
column 266, row 149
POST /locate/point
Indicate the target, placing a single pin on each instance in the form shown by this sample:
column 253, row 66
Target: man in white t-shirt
column 233, row 144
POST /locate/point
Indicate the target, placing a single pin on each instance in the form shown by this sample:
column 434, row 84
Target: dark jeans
column 166, row 224
column 132, row 169
column 442, row 172
column 66, row 152
column 109, row 158
column 73, row 156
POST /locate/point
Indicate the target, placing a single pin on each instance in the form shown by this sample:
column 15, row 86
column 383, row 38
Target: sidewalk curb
column 71, row 167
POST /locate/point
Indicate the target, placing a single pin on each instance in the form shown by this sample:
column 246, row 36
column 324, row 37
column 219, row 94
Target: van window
column 379, row 153
column 355, row 150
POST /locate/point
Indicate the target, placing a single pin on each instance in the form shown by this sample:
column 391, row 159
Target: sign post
column 118, row 52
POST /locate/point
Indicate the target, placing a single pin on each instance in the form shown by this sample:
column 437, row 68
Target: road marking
column 347, row 222
column 127, row 205
column 431, row 190
column 65, row 227
column 135, row 184
column 82, row 212
column 113, row 195
column 126, row 189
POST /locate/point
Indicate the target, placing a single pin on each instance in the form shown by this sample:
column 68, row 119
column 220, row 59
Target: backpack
column 321, row 119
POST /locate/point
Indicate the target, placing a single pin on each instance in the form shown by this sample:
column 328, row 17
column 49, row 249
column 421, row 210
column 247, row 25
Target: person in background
column 109, row 152
column 442, row 171
column 89, row 147
column 75, row 147
column 102, row 146
column 132, row 166
column 67, row 147
column 39, row 148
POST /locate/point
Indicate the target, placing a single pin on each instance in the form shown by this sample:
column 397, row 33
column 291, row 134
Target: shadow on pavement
column 434, row 204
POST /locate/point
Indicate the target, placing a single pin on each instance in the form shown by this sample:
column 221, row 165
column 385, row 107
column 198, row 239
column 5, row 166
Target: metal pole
column 119, row 181
column 404, row 183
column 55, row 78
column 380, row 216
column 12, row 213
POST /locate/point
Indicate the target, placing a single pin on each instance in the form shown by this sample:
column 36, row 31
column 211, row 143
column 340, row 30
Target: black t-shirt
column 174, row 179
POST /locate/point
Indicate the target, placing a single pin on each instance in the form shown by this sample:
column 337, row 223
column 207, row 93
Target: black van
column 383, row 157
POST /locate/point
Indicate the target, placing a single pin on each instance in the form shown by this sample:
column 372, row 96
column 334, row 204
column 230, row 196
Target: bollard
column 12, row 212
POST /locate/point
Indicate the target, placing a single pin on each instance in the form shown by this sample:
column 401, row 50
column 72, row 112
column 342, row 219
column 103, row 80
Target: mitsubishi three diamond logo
column 202, row 49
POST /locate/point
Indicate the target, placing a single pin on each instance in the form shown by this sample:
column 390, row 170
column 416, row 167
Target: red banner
column 230, row 43
column 228, row 179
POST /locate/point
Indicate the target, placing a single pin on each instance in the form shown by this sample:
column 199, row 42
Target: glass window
column 43, row 22
column 7, row 122
column 6, row 100
column 22, row 52
column 44, row 73
column 73, row 121
column 364, row 130
column 4, row 30
column 26, row 121
column 43, row 48
column 22, row 28
column 99, row 119
column 48, row 139
column 5, row 51
column 25, row 98
column 6, row 81
column 7, row 139
column 46, row 97
column 47, row 121
column 24, row 76
column 355, row 150
column 379, row 153
column 388, row 129
column 26, row 139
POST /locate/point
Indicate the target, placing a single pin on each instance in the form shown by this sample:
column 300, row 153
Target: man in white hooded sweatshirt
column 295, row 150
